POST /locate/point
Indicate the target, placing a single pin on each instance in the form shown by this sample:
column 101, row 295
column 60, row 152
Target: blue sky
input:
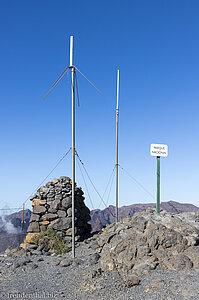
column 155, row 44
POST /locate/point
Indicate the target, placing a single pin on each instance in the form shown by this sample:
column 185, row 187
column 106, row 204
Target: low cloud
column 5, row 224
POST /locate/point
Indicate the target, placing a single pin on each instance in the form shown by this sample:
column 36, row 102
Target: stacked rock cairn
column 52, row 208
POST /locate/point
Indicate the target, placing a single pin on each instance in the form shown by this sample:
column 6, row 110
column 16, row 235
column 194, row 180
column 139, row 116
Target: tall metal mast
column 73, row 144
column 116, row 165
column 73, row 82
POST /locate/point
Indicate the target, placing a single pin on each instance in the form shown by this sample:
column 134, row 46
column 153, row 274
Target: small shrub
column 52, row 240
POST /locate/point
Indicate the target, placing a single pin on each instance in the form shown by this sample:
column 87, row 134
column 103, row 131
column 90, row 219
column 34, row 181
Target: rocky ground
column 143, row 257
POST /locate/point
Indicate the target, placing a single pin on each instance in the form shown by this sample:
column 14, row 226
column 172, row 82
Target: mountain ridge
column 99, row 218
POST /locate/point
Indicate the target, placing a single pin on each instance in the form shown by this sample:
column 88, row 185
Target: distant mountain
column 10, row 229
column 99, row 218
column 10, row 226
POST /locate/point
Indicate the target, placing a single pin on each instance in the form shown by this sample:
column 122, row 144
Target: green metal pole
column 158, row 185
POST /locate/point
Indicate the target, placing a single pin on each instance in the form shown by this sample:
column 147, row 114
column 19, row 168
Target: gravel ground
column 59, row 277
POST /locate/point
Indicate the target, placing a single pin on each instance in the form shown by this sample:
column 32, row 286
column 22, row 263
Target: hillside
column 106, row 216
column 148, row 256
column 103, row 217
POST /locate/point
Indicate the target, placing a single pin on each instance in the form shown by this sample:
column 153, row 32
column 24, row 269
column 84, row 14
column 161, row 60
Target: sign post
column 158, row 185
column 158, row 150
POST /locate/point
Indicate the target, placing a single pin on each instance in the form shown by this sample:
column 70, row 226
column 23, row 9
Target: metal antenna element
column 77, row 89
column 116, row 165
column 57, row 81
column 61, row 76
column 88, row 80
column 73, row 83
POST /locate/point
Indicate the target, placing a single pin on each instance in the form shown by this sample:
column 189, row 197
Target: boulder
column 149, row 240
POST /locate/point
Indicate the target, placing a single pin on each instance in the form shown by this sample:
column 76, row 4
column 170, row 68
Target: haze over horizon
column 155, row 44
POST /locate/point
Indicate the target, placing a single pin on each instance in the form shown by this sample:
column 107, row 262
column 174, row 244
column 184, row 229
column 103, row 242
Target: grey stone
column 34, row 217
column 61, row 213
column 77, row 262
column 58, row 197
column 31, row 247
column 34, row 227
column 44, row 190
column 143, row 251
column 61, row 224
column 57, row 262
column 67, row 202
column 54, row 181
column 93, row 259
column 43, row 228
column 34, row 266
column 69, row 212
column 20, row 263
column 65, row 263
column 50, row 217
column 38, row 209
column 96, row 273
column 52, row 210
column 53, row 224
column 36, row 252
column 65, row 178
column 65, row 223
column 132, row 280
column 50, row 198
column 40, row 248
column 46, row 253
column 55, row 204
column 94, row 245
column 40, row 259
column 178, row 262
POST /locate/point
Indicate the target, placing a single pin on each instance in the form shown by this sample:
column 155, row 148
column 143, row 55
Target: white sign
column 159, row 150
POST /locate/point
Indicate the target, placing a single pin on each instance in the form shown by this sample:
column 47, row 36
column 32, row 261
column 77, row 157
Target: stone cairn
column 52, row 208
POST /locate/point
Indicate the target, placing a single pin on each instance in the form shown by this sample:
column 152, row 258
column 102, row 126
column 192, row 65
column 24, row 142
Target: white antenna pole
column 116, row 165
column 73, row 145
column 71, row 51
column 118, row 78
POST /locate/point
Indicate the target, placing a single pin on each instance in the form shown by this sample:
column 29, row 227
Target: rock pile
column 149, row 241
column 52, row 208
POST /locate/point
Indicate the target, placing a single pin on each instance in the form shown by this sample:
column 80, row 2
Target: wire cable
column 8, row 209
column 110, row 180
column 92, row 183
column 136, row 181
column 46, row 177
column 85, row 185
column 111, row 184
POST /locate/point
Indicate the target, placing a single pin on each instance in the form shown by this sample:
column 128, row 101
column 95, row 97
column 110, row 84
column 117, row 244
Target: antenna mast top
column 118, row 78
column 71, row 51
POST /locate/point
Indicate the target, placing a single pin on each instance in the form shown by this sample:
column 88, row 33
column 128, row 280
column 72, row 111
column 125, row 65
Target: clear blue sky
column 155, row 44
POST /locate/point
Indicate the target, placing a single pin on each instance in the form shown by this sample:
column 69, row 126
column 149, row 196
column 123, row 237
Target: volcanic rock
column 149, row 240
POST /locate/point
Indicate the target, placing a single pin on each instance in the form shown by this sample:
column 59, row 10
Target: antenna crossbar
column 57, row 81
column 88, row 80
